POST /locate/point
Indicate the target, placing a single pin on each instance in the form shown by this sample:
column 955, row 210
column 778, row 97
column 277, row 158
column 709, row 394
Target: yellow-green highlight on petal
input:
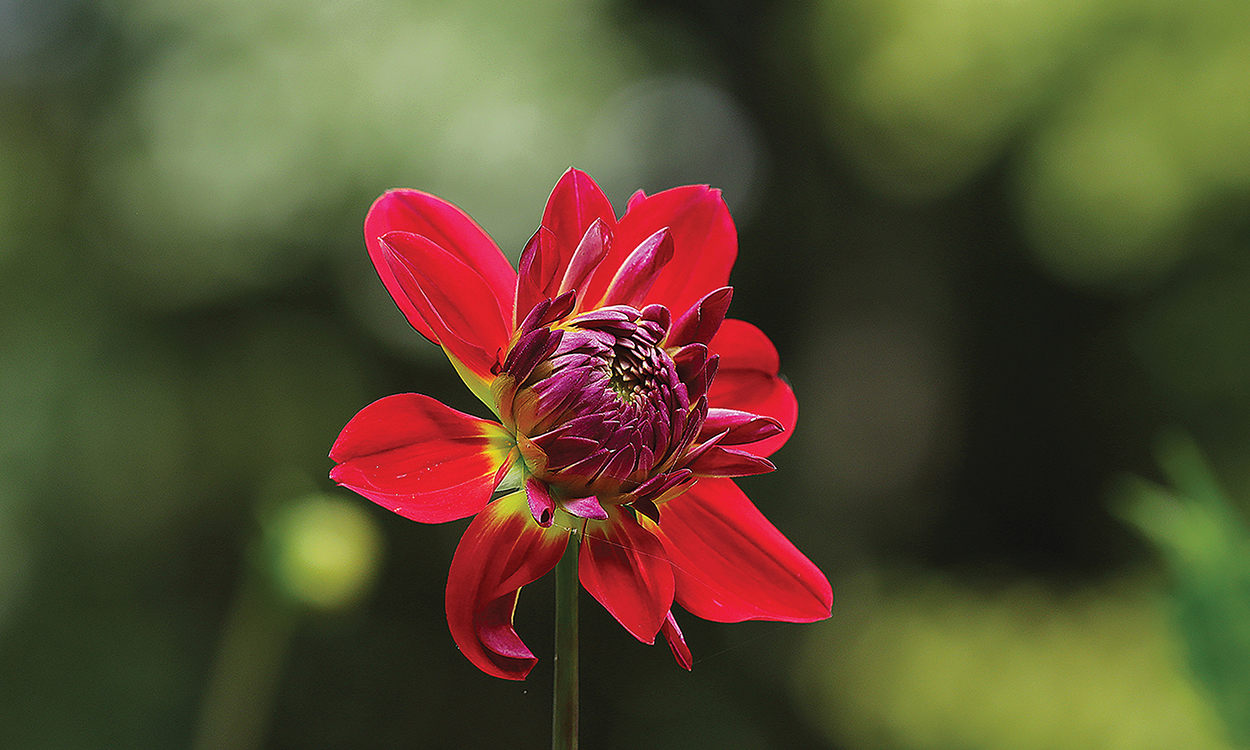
column 480, row 386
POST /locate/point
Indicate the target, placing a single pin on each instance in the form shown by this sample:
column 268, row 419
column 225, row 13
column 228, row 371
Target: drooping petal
column 421, row 459
column 575, row 203
column 451, row 298
column 624, row 567
column 731, row 564
column 748, row 381
column 705, row 244
column 501, row 551
column 446, row 226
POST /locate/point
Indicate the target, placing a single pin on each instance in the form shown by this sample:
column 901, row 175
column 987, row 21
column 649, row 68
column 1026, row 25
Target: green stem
column 564, row 706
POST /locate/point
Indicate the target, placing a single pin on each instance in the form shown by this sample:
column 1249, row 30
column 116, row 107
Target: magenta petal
column 565, row 449
column 617, row 318
column 561, row 386
column 529, row 350
column 623, row 462
column 740, row 426
column 542, row 507
column 421, row 459
column 639, row 270
column 701, row 322
column 586, row 507
column 657, row 486
column 728, row 462
column 731, row 564
column 625, row 568
column 501, row 551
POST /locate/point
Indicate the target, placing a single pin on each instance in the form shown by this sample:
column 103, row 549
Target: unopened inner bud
column 601, row 401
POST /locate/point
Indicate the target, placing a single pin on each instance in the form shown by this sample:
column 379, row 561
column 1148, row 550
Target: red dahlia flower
column 625, row 400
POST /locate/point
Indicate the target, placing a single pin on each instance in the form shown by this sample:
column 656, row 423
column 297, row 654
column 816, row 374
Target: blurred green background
column 1001, row 245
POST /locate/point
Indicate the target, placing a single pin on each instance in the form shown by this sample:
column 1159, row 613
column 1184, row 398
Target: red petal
column 501, row 551
column 677, row 642
column 638, row 197
column 419, row 458
column 575, row 203
column 731, row 564
column 537, row 273
column 747, row 381
column 624, row 567
column 446, row 226
column 705, row 244
column 451, row 298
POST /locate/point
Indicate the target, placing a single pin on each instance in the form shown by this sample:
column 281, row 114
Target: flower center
column 598, row 403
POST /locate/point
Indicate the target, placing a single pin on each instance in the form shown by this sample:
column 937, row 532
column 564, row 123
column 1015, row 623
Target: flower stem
column 564, row 707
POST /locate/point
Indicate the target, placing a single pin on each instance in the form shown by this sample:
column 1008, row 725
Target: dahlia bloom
column 625, row 403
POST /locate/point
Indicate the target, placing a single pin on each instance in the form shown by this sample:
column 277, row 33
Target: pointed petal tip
column 677, row 642
column 625, row 568
column 731, row 564
column 640, row 269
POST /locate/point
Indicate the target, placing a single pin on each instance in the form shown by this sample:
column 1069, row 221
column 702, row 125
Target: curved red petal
column 748, row 381
column 624, row 567
column 452, row 299
column 705, row 245
column 731, row 564
column 575, row 203
column 421, row 459
column 446, row 226
column 501, row 551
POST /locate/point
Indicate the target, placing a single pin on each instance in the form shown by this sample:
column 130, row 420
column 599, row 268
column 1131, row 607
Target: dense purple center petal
column 613, row 408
